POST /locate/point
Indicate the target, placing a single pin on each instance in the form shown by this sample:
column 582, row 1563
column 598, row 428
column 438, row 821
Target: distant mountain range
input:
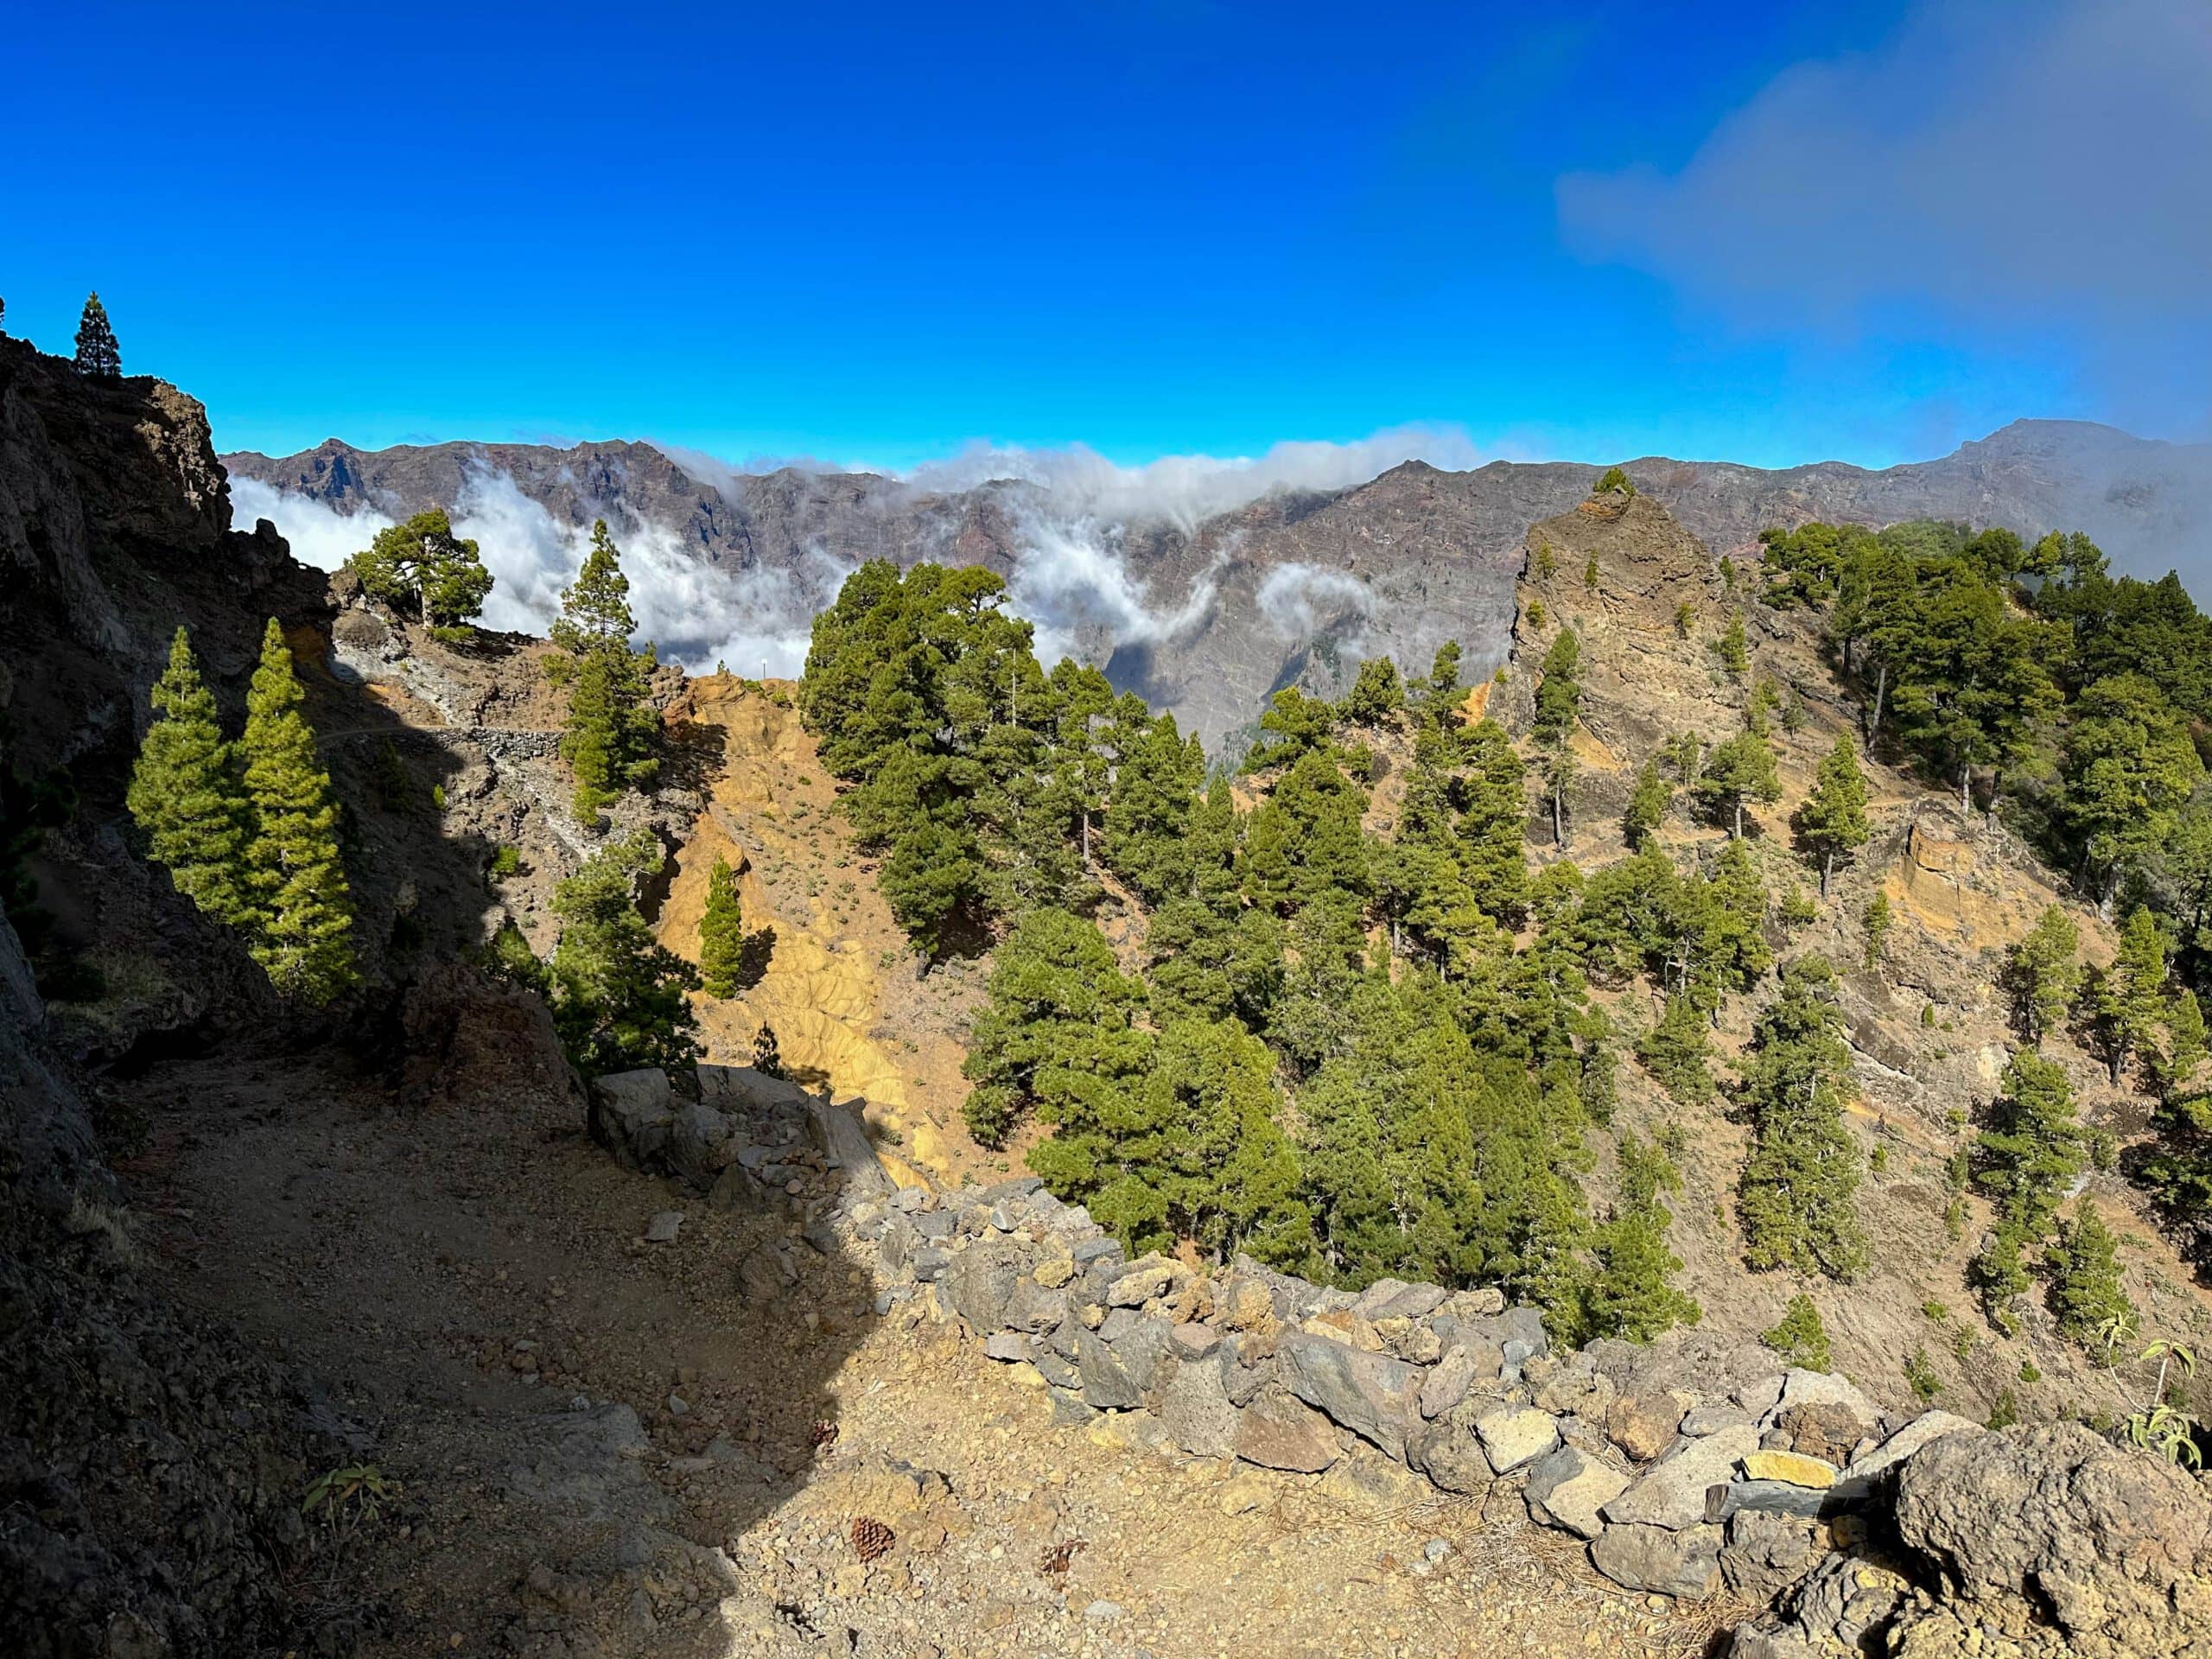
column 1209, row 618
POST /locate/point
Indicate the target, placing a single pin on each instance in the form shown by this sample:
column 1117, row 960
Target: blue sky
column 875, row 234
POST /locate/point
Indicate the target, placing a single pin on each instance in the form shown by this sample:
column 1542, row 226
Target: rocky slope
column 1208, row 619
column 1928, row 1023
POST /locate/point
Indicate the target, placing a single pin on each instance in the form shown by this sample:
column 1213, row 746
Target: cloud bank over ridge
column 1071, row 575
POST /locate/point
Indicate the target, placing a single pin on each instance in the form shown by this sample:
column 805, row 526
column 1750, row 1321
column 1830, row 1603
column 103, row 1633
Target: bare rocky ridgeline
column 644, row 1403
column 1433, row 554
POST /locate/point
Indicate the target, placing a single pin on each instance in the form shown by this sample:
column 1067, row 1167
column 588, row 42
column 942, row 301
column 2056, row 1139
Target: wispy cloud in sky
column 2039, row 167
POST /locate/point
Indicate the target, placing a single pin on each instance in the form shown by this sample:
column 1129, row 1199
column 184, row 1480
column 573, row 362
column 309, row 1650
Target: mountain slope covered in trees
column 1668, row 972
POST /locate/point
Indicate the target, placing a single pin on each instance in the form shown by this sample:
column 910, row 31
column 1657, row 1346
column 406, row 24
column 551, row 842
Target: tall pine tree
column 1797, row 1197
column 1831, row 821
column 187, row 796
column 619, row 995
column 303, row 911
column 721, row 934
column 612, row 740
column 98, row 355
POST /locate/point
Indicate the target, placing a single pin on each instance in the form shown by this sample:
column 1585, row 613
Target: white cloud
column 1071, row 577
column 697, row 613
column 1300, row 600
column 2045, row 164
column 319, row 535
column 1185, row 490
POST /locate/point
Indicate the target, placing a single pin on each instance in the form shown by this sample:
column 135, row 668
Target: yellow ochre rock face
column 1790, row 1469
column 839, row 963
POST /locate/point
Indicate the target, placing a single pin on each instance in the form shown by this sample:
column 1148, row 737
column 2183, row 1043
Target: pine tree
column 1590, row 575
column 2087, row 1294
column 1057, row 1038
column 619, row 997
column 1832, row 818
column 1559, row 693
column 1875, row 919
column 2127, row 1000
column 186, row 794
column 1797, row 1197
column 1800, row 1337
column 422, row 567
column 1191, row 1151
column 1492, row 827
column 97, row 353
column 1647, row 806
column 1613, row 481
column 721, row 934
column 1376, row 695
column 612, row 738
column 767, row 1055
column 1629, row 1295
column 1733, row 648
column 1678, row 1053
column 2040, row 974
column 1739, row 770
column 1999, row 1276
column 595, row 607
column 2029, row 1152
column 303, row 913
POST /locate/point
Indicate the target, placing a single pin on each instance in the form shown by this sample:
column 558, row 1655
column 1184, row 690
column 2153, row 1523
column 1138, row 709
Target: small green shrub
column 1800, row 1337
column 1920, row 1376
column 506, row 861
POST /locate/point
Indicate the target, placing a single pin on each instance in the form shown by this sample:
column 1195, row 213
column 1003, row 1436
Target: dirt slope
column 841, row 988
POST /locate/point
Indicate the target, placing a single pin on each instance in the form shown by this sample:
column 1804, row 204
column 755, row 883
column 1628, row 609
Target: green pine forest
column 1355, row 1056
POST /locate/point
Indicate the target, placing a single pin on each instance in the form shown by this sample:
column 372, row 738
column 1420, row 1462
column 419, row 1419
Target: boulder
column 1278, row 1430
column 1642, row 1423
column 1567, row 1488
column 1196, row 1411
column 1006, row 1345
column 1513, row 1435
column 2114, row 1546
column 1671, row 1493
column 1447, row 1452
column 1030, row 1306
column 741, row 1088
column 1447, row 1384
column 1791, row 1469
column 1682, row 1562
column 1393, row 1299
column 1107, row 1384
column 1924, row 1430
column 841, row 1134
column 1803, row 1388
column 1377, row 1398
column 1142, row 1282
column 1141, row 1347
column 1828, row 1429
column 1715, row 1415
column 700, row 1143
column 1368, row 1480
column 767, row 1271
column 632, row 1114
column 1843, row 1607
column 1765, row 1553
column 980, row 1283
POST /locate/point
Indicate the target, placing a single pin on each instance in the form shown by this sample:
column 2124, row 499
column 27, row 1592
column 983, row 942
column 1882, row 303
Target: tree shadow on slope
column 585, row 1405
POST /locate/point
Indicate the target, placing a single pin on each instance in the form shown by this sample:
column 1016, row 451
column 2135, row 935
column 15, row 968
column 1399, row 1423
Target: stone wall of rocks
column 1688, row 1467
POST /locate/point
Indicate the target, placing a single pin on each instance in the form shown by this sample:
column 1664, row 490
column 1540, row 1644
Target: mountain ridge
column 1207, row 618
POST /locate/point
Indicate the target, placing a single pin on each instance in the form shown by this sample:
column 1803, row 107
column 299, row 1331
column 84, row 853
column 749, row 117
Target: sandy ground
column 606, row 1447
